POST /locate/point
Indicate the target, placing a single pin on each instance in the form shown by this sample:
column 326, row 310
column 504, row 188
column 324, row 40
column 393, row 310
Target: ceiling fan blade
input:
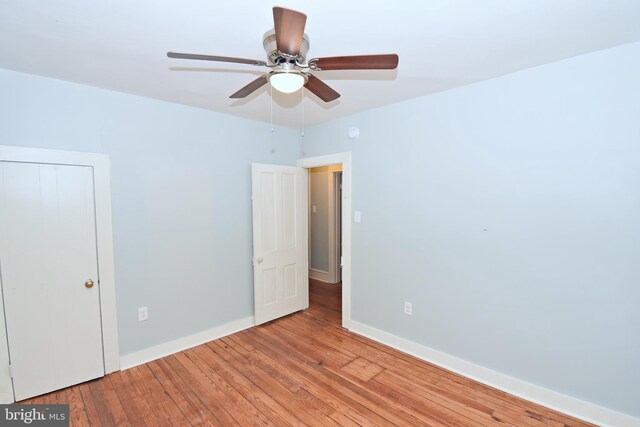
column 215, row 58
column 289, row 28
column 321, row 89
column 362, row 62
column 251, row 87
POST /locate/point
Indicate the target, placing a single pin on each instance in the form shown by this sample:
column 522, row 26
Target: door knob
column 88, row 283
column 259, row 260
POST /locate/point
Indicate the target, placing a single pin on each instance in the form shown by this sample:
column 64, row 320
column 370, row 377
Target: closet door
column 49, row 273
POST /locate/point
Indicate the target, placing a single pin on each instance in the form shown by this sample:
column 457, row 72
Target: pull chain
column 302, row 106
column 273, row 150
column 271, row 104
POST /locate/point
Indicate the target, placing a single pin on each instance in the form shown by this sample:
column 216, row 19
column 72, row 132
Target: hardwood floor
column 303, row 369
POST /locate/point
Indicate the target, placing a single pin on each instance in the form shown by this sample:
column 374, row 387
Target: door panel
column 279, row 195
column 47, row 253
column 290, row 275
column 268, row 210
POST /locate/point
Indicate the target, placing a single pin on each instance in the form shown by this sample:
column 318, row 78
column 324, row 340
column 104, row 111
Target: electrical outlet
column 408, row 308
column 143, row 314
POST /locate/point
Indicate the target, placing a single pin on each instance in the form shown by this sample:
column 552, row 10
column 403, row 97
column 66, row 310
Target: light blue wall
column 508, row 212
column 181, row 196
column 319, row 221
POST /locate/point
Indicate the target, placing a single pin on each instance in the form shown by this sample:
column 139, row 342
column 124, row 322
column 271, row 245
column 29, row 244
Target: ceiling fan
column 287, row 46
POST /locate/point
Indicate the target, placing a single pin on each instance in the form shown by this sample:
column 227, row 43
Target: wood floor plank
column 209, row 393
column 242, row 407
column 137, row 410
column 60, row 397
column 302, row 369
column 307, row 360
column 262, row 401
column 77, row 415
column 271, row 380
column 97, row 395
column 262, row 383
column 331, row 396
column 311, row 401
column 477, row 391
column 417, row 398
column 533, row 411
column 315, row 351
column 440, row 384
column 362, row 369
column 162, row 405
column 396, row 406
column 149, row 408
column 89, row 405
column 182, row 387
column 295, row 362
column 114, row 410
column 189, row 412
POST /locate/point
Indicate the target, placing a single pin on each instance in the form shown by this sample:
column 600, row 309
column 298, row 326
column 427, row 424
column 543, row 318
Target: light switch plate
column 356, row 216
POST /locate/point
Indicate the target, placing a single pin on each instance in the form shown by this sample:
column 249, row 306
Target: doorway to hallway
column 344, row 240
column 325, row 240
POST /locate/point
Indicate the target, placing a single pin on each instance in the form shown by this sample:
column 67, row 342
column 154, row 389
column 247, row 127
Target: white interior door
column 47, row 256
column 280, row 251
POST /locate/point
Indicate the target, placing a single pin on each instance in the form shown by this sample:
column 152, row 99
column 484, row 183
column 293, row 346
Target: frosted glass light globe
column 286, row 82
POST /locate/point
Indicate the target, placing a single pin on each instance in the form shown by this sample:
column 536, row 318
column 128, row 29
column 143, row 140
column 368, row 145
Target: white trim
column 333, row 274
column 551, row 399
column 321, row 275
column 331, row 228
column 337, row 226
column 161, row 350
column 104, row 241
column 345, row 160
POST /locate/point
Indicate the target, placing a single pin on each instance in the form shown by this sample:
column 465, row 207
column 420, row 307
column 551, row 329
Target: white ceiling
column 442, row 44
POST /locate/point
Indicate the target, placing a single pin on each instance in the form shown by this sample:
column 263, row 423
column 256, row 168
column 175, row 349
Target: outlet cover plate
column 408, row 308
column 143, row 314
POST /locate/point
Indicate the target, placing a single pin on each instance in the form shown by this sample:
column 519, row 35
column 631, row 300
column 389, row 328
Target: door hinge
column 342, row 261
column 10, row 371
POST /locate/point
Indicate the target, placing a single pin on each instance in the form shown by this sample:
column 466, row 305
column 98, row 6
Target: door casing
column 335, row 225
column 104, row 239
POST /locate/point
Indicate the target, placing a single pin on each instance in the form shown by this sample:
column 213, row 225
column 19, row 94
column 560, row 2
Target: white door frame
column 104, row 241
column 335, row 215
column 345, row 160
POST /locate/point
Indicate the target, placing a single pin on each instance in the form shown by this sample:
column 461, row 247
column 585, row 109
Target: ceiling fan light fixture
column 286, row 46
column 287, row 82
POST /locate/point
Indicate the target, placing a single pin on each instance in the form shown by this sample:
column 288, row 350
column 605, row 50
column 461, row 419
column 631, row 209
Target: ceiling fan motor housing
column 275, row 57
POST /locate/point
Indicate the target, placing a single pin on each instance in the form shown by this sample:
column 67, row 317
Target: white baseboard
column 321, row 275
column 551, row 399
column 165, row 349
